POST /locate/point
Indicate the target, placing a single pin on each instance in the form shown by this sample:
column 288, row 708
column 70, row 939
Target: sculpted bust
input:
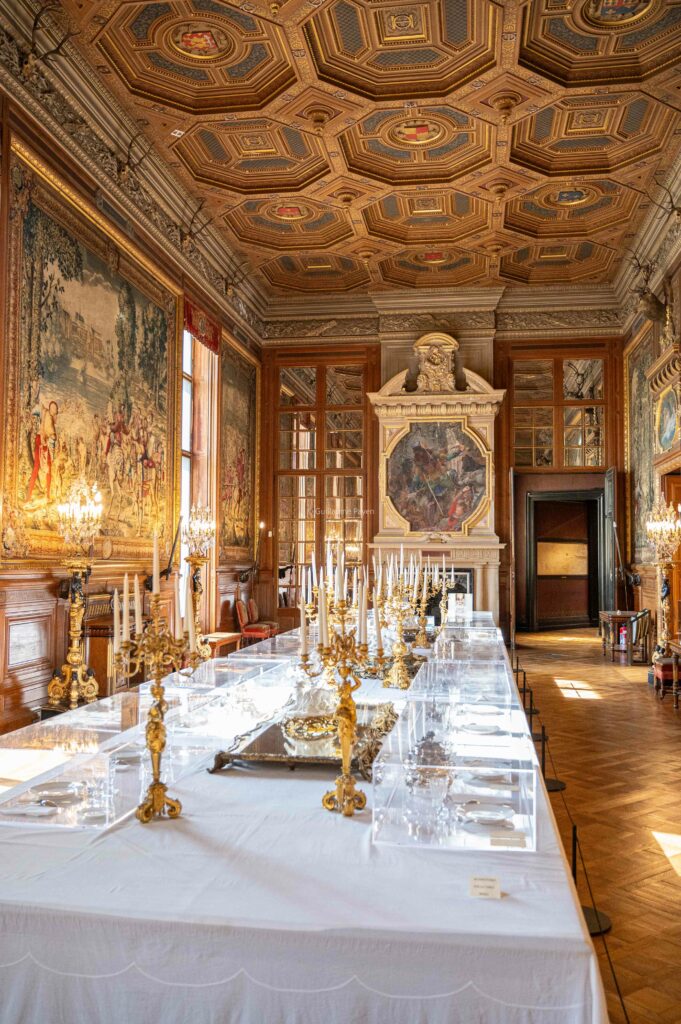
column 434, row 353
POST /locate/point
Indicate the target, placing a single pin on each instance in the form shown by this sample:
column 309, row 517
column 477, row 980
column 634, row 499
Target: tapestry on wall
column 437, row 477
column 640, row 446
column 239, row 382
column 90, row 366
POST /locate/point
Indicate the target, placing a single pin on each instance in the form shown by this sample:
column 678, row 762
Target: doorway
column 565, row 556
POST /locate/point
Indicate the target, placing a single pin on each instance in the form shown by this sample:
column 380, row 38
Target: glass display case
column 468, row 681
column 439, row 786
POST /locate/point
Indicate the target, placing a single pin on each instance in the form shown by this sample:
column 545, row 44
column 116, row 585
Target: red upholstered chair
column 250, row 631
column 254, row 616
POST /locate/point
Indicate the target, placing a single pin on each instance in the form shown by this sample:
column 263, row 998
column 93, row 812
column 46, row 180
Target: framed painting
column 666, row 418
column 438, row 476
column 91, row 370
column 639, row 444
column 239, row 446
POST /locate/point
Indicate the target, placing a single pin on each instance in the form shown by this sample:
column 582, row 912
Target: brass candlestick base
column 74, row 678
column 345, row 798
column 421, row 638
column 160, row 653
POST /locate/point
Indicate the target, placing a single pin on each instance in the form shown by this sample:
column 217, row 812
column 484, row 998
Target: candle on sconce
column 116, row 624
column 377, row 622
column 138, row 606
column 126, row 609
column 155, row 569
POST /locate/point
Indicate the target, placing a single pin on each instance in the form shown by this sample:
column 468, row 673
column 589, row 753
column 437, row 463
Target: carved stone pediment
column 434, row 352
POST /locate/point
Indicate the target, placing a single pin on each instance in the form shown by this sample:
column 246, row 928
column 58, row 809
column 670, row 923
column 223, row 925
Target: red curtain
column 203, row 327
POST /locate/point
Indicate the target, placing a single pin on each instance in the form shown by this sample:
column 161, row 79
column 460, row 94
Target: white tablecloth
column 259, row 907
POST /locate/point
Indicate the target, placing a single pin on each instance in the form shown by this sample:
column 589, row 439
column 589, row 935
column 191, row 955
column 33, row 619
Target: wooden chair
column 638, row 638
column 250, row 631
column 254, row 616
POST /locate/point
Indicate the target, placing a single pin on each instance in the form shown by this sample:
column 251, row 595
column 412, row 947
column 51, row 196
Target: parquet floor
column 618, row 748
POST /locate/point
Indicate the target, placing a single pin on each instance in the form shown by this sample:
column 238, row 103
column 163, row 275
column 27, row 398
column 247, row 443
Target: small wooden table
column 609, row 624
column 222, row 643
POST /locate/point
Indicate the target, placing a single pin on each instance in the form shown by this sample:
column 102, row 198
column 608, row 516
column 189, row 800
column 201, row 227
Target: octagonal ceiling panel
column 315, row 272
column 591, row 134
column 433, row 267
column 540, row 263
column 442, row 216
column 588, row 42
column 561, row 209
column 370, row 133
column 252, row 156
column 199, row 56
column 431, row 144
column 394, row 51
column 288, row 224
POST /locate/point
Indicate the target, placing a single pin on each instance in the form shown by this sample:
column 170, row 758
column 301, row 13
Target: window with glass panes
column 558, row 416
column 320, row 470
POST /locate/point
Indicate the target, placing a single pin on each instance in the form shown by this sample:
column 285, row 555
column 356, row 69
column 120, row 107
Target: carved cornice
column 666, row 370
column 566, row 319
column 436, row 406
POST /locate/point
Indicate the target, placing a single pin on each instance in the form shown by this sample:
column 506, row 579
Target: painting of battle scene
column 238, row 446
column 437, row 477
column 92, row 360
column 640, row 446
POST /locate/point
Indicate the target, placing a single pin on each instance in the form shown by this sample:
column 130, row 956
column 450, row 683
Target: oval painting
column 437, row 477
column 666, row 422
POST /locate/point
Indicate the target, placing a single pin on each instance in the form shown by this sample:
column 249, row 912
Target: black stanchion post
column 597, row 922
column 552, row 785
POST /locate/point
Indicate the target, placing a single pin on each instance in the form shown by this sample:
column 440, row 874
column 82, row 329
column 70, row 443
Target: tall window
column 320, row 466
column 199, row 452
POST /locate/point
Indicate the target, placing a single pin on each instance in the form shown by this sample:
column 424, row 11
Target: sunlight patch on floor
column 576, row 689
column 670, row 844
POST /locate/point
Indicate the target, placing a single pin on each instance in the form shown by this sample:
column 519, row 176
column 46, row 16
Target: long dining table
column 257, row 906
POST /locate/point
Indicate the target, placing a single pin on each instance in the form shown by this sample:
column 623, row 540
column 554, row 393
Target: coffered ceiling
column 369, row 145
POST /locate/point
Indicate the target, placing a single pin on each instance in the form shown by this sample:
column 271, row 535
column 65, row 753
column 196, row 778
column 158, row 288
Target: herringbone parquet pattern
column 618, row 748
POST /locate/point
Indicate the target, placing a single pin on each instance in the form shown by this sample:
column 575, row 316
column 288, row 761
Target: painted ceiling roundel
column 375, row 145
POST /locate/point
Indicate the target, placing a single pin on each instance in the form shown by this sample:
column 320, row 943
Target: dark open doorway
column 565, row 558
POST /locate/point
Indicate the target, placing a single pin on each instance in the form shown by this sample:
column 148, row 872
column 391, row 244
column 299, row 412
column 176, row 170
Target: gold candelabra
column 343, row 656
column 398, row 676
column 199, row 536
column 79, row 520
column 663, row 528
column 159, row 652
column 421, row 638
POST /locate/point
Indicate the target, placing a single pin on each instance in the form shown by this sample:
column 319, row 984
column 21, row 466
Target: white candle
column 303, row 629
column 364, row 612
column 155, row 572
column 444, row 566
column 436, row 575
column 401, row 559
column 377, row 621
column 138, row 607
column 179, row 631
column 416, row 587
column 314, row 570
column 126, row 609
column 354, row 587
column 189, row 616
column 116, row 624
column 329, row 561
column 322, row 620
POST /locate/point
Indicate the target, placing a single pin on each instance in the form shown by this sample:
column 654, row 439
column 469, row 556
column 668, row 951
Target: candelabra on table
column 199, row 536
column 421, row 638
column 663, row 528
column 343, row 655
column 79, row 521
column 398, row 600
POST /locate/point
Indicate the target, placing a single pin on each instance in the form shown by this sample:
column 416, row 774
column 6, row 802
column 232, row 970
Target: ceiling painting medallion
column 433, row 257
column 417, row 132
column 289, row 212
column 200, row 41
column 569, row 196
column 615, row 13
